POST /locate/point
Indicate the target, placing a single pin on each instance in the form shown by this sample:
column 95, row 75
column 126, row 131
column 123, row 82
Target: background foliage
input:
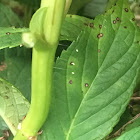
column 15, row 63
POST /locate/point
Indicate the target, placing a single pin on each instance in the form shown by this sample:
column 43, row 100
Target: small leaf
column 13, row 106
column 37, row 22
column 11, row 37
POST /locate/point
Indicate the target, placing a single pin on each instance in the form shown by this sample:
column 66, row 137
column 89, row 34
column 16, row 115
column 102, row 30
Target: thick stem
column 42, row 67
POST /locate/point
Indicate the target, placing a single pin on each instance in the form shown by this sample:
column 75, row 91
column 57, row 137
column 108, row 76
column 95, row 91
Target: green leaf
column 95, row 78
column 133, row 134
column 13, row 106
column 16, row 68
column 36, row 28
column 8, row 17
column 77, row 5
column 37, row 22
column 135, row 122
column 131, row 124
column 73, row 25
column 125, row 118
column 94, row 8
column 110, row 4
column 11, row 37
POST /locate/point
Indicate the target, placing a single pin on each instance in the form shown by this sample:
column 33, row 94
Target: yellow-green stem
column 54, row 18
column 42, row 68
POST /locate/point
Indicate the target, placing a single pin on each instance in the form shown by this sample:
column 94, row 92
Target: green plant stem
column 53, row 20
column 42, row 68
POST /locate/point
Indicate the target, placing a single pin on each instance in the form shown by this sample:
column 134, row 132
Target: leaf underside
column 95, row 78
column 13, row 106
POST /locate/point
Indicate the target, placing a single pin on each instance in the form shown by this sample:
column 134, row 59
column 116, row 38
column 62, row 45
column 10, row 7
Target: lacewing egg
column 70, row 81
column 101, row 34
column 77, row 50
column 71, row 63
column 86, row 85
column 114, row 21
column 8, row 33
column 117, row 19
column 91, row 25
column 98, row 35
column 133, row 19
column 100, row 26
column 99, row 50
column 126, row 10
